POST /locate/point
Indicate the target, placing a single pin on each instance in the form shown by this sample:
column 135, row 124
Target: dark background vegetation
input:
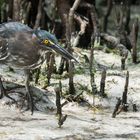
column 52, row 15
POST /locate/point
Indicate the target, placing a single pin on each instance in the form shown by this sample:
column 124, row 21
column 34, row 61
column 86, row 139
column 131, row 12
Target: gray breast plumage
column 18, row 48
column 20, row 52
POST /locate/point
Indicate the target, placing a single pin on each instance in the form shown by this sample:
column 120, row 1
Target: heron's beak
column 63, row 52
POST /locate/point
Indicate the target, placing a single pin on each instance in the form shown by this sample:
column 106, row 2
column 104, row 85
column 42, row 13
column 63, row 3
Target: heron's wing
column 9, row 29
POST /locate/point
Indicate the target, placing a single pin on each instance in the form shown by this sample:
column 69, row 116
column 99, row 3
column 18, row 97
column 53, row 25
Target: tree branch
column 83, row 24
column 71, row 15
column 39, row 14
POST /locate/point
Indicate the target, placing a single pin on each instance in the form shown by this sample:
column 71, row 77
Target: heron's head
column 50, row 42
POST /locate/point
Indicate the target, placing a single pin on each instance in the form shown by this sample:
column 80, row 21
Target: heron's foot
column 5, row 93
column 30, row 104
column 28, row 108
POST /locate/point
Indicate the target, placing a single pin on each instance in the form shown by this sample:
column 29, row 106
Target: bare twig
column 94, row 18
column 102, row 83
column 61, row 118
column 50, row 68
column 77, row 96
column 95, row 34
column 86, row 58
column 39, row 14
column 92, row 74
column 109, row 8
column 134, row 36
column 123, row 63
column 135, row 108
column 63, row 104
column 71, row 15
column 71, row 74
column 60, row 87
column 61, row 66
column 58, row 103
column 123, row 17
column 72, row 98
column 116, row 108
column 124, row 96
column 83, row 24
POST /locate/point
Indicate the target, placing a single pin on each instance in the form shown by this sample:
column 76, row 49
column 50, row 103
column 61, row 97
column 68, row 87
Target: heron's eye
column 46, row 42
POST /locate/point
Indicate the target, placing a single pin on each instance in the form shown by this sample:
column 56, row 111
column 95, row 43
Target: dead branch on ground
column 115, row 43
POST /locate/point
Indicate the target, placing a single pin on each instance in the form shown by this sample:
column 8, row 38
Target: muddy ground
column 83, row 122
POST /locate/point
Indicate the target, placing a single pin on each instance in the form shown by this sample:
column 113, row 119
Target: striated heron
column 24, row 48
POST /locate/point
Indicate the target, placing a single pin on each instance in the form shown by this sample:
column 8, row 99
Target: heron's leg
column 28, row 90
column 2, row 89
column 4, row 92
